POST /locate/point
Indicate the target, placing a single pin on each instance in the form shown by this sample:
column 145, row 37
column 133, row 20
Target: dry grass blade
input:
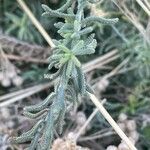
column 147, row 4
column 106, row 61
column 100, row 61
column 112, row 122
column 88, row 121
column 9, row 95
column 143, row 6
column 117, row 69
column 24, row 94
column 108, row 133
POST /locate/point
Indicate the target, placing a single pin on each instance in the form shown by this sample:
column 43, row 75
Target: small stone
column 80, row 118
column 57, row 144
column 17, row 80
column 102, row 85
column 11, row 74
column 111, row 147
column 123, row 146
column 6, row 82
column 132, row 140
column 122, row 117
column 134, row 135
column 5, row 112
column 131, row 125
column 122, row 126
column 71, row 135
column 72, row 114
column 1, row 76
column 10, row 124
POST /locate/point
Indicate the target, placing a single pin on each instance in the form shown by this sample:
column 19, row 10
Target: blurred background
column 119, row 72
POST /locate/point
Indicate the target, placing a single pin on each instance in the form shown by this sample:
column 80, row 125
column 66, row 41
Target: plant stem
column 86, row 124
column 111, row 121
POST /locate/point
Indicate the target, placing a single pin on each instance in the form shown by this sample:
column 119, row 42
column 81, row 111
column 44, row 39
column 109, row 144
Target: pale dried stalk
column 86, row 65
column 87, row 122
column 112, row 122
column 117, row 69
column 143, row 6
column 100, row 61
column 10, row 95
column 24, row 95
column 108, row 133
column 147, row 4
column 93, row 98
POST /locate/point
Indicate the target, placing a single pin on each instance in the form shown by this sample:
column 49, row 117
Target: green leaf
column 77, row 26
column 15, row 19
column 63, row 60
column 76, row 61
column 69, row 68
column 146, row 132
column 94, row 19
column 81, row 81
column 57, row 56
column 64, row 48
column 77, row 49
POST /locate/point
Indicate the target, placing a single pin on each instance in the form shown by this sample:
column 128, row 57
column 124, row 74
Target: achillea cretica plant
column 70, row 79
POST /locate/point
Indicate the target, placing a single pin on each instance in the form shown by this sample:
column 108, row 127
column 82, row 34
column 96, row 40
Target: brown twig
column 23, row 49
column 25, row 94
column 26, row 59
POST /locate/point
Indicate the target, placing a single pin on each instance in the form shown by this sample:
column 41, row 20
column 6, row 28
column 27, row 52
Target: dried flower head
column 60, row 144
column 80, row 118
